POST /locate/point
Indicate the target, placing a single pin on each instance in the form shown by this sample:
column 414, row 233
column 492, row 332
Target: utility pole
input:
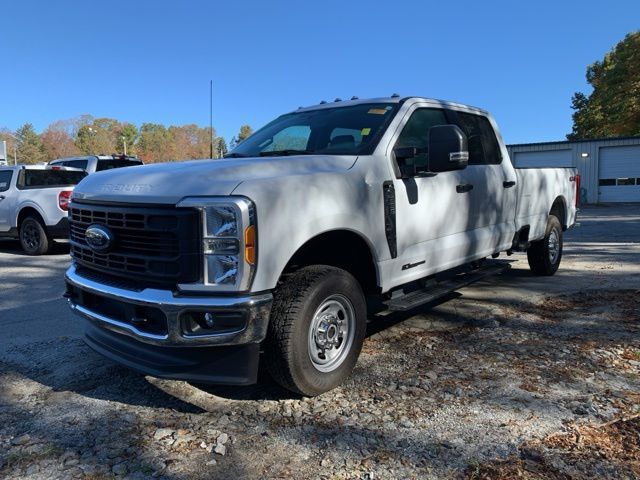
column 211, row 119
column 124, row 142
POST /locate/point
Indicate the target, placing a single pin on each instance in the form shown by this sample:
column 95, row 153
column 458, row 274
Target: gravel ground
column 517, row 376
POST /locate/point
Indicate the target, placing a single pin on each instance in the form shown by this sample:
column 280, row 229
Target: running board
column 445, row 287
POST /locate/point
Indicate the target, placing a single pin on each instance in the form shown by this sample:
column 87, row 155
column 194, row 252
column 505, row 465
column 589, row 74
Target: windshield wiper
column 234, row 155
column 283, row 153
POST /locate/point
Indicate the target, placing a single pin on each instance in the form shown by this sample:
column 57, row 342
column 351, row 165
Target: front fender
column 293, row 210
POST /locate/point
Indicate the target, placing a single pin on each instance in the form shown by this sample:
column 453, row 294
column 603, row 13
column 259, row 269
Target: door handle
column 465, row 187
column 2, row 197
column 508, row 183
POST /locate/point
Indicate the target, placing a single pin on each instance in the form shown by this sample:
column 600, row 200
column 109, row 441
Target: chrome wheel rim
column 30, row 236
column 331, row 333
column 554, row 246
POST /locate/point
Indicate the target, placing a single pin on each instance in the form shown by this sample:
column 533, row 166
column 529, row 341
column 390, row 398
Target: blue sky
column 151, row 61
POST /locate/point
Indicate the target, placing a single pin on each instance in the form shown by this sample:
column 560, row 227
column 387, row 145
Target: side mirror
column 447, row 148
column 402, row 155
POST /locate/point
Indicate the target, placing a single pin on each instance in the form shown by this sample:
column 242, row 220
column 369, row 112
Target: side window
column 483, row 144
column 416, row 132
column 5, row 179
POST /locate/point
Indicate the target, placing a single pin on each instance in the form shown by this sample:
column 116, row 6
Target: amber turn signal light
column 250, row 244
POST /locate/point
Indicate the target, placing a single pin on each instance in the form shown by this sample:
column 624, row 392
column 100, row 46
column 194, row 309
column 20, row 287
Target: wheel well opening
column 341, row 249
column 26, row 212
column 559, row 210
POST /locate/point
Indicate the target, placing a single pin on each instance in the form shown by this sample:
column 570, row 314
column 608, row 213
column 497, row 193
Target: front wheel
column 544, row 255
column 33, row 237
column 316, row 331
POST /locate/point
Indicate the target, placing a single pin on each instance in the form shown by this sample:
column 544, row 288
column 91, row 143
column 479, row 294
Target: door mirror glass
column 448, row 149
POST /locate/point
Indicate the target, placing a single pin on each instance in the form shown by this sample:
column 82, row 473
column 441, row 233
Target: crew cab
column 97, row 163
column 320, row 220
column 34, row 201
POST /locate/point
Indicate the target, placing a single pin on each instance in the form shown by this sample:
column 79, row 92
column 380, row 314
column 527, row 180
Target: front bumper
column 148, row 331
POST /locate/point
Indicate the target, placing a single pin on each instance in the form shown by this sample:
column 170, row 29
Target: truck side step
column 442, row 288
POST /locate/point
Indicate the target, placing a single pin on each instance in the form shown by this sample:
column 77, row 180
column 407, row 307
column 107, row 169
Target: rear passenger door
column 494, row 194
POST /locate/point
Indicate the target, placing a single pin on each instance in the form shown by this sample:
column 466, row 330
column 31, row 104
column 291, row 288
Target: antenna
column 211, row 119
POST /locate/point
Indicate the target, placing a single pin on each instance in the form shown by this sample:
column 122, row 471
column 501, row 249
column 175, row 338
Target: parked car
column 316, row 222
column 34, row 201
column 97, row 163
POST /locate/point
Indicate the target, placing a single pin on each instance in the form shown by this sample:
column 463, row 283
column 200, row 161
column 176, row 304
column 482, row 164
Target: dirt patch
column 611, row 450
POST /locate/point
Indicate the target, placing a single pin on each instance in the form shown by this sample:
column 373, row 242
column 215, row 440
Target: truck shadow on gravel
column 14, row 247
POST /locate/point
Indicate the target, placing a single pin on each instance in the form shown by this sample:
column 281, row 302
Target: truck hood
column 168, row 183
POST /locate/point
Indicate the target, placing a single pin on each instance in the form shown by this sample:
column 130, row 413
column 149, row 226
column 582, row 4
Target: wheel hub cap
column 331, row 333
column 554, row 246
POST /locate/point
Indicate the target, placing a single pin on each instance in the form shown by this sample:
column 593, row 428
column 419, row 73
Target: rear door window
column 5, row 179
column 111, row 164
column 77, row 164
column 481, row 139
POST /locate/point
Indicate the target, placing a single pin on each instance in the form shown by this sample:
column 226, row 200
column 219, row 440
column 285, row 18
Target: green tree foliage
column 613, row 108
column 30, row 148
column 127, row 133
column 154, row 143
column 220, row 147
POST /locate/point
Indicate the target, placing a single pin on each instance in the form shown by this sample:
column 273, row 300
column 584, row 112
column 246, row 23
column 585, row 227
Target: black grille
column 155, row 246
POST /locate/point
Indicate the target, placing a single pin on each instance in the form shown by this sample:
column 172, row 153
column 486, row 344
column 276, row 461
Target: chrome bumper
column 255, row 307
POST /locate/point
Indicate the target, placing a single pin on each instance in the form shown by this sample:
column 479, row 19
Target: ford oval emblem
column 99, row 238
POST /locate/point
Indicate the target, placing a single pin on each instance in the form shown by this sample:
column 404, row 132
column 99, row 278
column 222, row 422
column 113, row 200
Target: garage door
column 548, row 158
column 619, row 174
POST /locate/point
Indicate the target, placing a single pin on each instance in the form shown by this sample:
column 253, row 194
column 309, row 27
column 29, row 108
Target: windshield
column 353, row 130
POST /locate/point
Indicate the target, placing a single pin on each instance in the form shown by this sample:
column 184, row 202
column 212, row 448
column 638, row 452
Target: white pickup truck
column 282, row 251
column 97, row 163
column 34, row 200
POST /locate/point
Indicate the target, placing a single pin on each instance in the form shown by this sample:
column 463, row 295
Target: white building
column 609, row 167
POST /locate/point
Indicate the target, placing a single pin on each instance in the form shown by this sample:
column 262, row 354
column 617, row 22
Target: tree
column 99, row 137
column 57, row 141
column 127, row 133
column 12, row 145
column 155, row 143
column 613, row 108
column 220, row 147
column 30, row 148
column 245, row 131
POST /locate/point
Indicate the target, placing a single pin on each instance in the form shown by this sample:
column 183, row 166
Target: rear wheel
column 317, row 328
column 33, row 236
column 544, row 255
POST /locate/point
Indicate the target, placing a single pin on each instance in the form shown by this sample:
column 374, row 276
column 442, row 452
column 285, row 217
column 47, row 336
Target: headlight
column 228, row 243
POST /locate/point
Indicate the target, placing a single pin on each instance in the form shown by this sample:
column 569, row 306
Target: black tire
column 296, row 308
column 33, row 236
column 544, row 258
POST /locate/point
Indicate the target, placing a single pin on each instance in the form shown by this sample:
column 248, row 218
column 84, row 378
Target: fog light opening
column 209, row 320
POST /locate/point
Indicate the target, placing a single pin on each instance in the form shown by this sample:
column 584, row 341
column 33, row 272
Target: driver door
column 432, row 212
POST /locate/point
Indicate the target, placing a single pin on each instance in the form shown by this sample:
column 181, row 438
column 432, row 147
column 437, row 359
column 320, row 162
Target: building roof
column 602, row 139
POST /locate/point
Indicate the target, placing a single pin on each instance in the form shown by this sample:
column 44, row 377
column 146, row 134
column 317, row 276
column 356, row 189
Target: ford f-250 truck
column 280, row 252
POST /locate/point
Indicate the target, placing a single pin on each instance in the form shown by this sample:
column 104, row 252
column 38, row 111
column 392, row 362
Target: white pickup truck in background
column 34, row 200
column 97, row 163
column 281, row 252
